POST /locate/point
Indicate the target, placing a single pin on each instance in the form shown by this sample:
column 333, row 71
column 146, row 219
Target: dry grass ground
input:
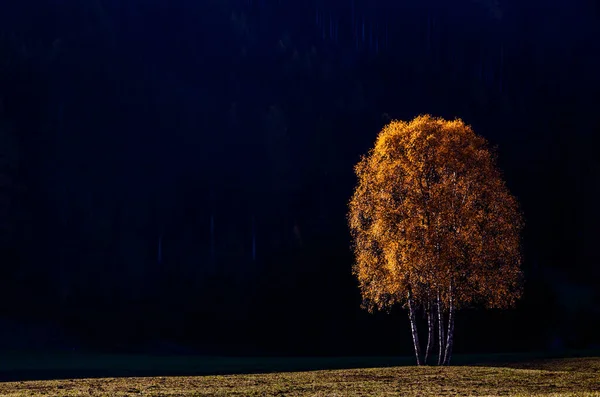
column 564, row 377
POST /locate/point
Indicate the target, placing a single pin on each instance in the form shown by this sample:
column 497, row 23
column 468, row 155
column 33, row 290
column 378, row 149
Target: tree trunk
column 413, row 327
column 440, row 313
column 431, row 331
column 450, row 339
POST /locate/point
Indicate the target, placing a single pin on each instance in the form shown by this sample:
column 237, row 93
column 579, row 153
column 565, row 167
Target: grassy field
column 559, row 377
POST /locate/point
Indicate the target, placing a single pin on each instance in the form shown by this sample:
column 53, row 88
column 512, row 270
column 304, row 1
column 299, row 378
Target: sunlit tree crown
column 432, row 214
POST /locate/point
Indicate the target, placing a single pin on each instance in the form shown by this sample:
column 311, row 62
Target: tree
column 434, row 226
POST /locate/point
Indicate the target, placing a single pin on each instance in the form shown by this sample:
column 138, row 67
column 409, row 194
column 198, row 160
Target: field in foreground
column 564, row 377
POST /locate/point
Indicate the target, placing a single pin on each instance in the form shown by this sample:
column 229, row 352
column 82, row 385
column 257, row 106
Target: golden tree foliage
column 431, row 216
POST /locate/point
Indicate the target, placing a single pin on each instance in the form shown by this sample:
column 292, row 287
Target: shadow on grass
column 20, row 367
column 522, row 360
column 38, row 366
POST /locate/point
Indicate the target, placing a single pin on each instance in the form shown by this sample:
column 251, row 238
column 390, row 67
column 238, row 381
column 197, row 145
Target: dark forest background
column 174, row 175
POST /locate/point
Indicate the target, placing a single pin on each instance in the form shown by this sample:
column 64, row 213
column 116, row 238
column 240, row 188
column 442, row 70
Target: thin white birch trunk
column 450, row 339
column 442, row 345
column 413, row 326
column 431, row 330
